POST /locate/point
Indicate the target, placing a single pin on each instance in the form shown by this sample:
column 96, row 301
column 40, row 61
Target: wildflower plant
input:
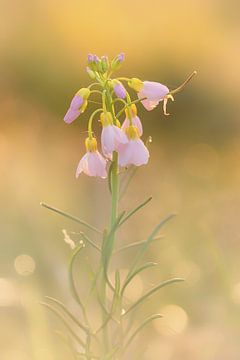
column 120, row 148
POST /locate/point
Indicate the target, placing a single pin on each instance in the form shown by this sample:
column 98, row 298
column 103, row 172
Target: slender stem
column 179, row 88
column 115, row 189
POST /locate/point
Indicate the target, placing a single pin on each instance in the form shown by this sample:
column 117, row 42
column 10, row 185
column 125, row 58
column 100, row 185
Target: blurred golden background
column 194, row 168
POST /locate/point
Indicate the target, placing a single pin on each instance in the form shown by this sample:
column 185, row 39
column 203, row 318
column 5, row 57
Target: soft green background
column 194, row 167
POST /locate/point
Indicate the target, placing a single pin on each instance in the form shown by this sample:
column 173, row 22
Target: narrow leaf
column 64, row 308
column 75, row 336
column 136, row 244
column 151, row 292
column 143, row 324
column 71, row 217
column 144, row 247
column 72, row 282
column 131, row 213
column 137, row 271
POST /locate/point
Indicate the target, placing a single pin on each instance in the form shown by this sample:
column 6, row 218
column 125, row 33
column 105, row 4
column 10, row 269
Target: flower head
column 92, row 163
column 154, row 92
column 134, row 119
column 112, row 136
column 77, row 106
column 134, row 152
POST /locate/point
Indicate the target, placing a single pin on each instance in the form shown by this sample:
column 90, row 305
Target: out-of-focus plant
column 122, row 148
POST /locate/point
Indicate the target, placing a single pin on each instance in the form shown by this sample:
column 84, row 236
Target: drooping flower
column 134, row 119
column 92, row 163
column 134, row 152
column 119, row 89
column 77, row 106
column 154, row 92
column 112, row 136
column 151, row 92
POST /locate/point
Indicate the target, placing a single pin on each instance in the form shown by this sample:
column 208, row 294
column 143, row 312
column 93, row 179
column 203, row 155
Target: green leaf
column 137, row 271
column 72, row 282
column 71, row 217
column 144, row 247
column 151, row 292
column 143, row 324
column 67, row 312
column 74, row 335
column 131, row 213
column 136, row 244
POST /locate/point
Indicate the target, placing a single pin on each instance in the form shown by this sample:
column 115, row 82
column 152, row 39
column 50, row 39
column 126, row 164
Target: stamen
column 165, row 100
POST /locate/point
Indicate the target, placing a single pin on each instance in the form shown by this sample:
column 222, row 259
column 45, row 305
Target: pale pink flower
column 111, row 137
column 154, row 92
column 135, row 122
column 134, row 152
column 92, row 163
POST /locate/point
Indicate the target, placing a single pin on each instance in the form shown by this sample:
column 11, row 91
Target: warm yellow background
column 194, row 168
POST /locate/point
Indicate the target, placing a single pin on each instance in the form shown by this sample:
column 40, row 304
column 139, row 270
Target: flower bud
column 91, row 73
column 119, row 89
column 117, row 61
column 135, row 84
column 90, row 58
column 105, row 63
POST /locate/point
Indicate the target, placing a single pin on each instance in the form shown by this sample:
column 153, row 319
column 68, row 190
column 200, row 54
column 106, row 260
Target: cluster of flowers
column 125, row 138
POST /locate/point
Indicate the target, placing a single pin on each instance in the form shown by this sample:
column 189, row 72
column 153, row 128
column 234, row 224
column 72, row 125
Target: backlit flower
column 112, row 136
column 92, row 163
column 134, row 152
column 134, row 119
column 77, row 106
column 154, row 92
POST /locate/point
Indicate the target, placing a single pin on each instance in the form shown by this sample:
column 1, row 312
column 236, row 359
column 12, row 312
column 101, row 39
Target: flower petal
column 71, row 115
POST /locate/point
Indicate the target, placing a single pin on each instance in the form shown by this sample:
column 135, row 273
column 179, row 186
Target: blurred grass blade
column 111, row 354
column 152, row 291
column 75, row 336
column 71, row 217
column 136, row 244
column 114, row 302
column 143, row 324
column 64, row 308
column 144, row 247
column 131, row 213
column 72, row 282
column 137, row 271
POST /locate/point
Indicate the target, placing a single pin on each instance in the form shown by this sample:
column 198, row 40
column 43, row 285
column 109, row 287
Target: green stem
column 115, row 188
